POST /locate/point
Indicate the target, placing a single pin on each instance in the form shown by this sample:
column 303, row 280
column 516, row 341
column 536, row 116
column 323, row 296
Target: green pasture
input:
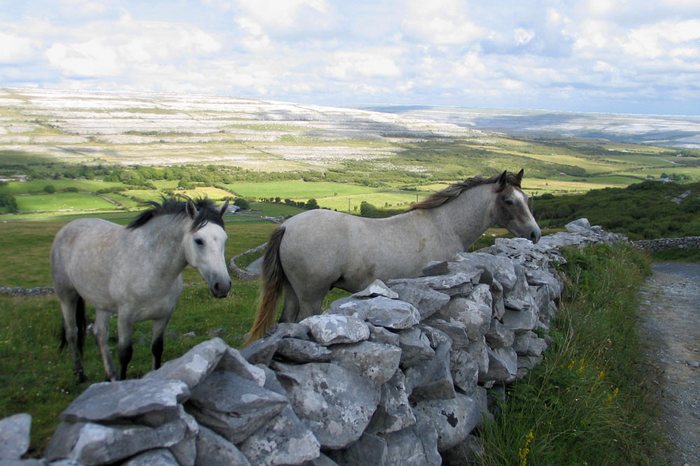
column 37, row 186
column 388, row 200
column 296, row 189
column 62, row 202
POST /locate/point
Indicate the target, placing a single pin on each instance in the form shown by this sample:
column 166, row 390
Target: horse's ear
column 190, row 208
column 501, row 181
column 224, row 208
column 519, row 176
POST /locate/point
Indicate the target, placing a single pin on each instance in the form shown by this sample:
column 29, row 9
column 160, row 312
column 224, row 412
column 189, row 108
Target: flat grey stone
column 234, row 361
column 125, row 399
column 92, row 444
column 499, row 336
column 465, row 370
column 281, row 441
column 14, row 436
column 432, row 378
column 454, row 329
column 232, row 406
column 302, row 351
column 503, row 364
column 331, row 329
column 335, row 403
column 413, row 446
column 159, row 457
column 415, row 347
column 394, row 411
column 214, row 450
column 519, row 321
column 382, row 335
column 193, row 366
column 424, row 298
column 453, row 419
column 369, row 449
column 379, row 311
column 376, row 288
column 376, row 361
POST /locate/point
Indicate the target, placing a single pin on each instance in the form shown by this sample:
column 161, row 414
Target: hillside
column 645, row 210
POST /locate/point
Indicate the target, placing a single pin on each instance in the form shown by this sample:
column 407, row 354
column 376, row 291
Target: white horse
column 320, row 249
column 135, row 272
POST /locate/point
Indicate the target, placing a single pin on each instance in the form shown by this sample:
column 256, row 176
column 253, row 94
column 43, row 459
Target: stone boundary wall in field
column 398, row 374
column 662, row 244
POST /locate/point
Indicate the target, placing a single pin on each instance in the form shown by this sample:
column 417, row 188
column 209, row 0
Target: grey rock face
column 335, row 403
column 159, row 457
column 394, row 411
column 93, row 444
column 375, row 361
column 379, row 311
column 214, row 450
column 453, row 419
column 193, row 366
column 281, row 441
column 232, row 406
column 424, row 298
column 376, row 288
column 431, row 379
column 330, row 329
column 370, row 449
column 233, row 361
column 415, row 347
column 503, row 364
column 303, row 351
column 14, row 436
column 465, row 370
column 413, row 446
column 125, row 399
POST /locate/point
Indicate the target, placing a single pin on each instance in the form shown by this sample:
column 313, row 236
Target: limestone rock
column 453, row 419
column 379, row 311
column 424, row 298
column 335, row 403
column 369, row 449
column 330, row 329
column 503, row 364
column 376, row 288
column 303, row 351
column 394, row 411
column 499, row 336
column 233, row 361
column 14, row 436
column 126, row 399
column 159, row 457
column 413, row 446
column 376, row 361
column 193, row 366
column 415, row 347
column 232, row 406
column 431, row 379
column 465, row 370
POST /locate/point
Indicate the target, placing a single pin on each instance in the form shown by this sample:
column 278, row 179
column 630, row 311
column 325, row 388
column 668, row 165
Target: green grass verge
column 590, row 401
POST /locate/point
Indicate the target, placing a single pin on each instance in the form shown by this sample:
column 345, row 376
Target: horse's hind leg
column 157, row 343
column 126, row 350
column 310, row 305
column 290, row 311
column 101, row 330
column 69, row 309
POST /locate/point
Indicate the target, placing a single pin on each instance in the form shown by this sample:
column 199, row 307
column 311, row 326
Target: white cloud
column 362, row 64
column 523, row 36
column 16, row 48
column 441, row 22
column 280, row 16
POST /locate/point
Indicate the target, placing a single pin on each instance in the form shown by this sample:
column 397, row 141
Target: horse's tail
column 80, row 321
column 273, row 279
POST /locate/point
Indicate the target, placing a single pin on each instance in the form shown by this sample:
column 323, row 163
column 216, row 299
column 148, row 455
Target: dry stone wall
column 398, row 374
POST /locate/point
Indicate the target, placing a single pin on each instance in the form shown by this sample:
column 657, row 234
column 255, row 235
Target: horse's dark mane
column 441, row 197
column 206, row 212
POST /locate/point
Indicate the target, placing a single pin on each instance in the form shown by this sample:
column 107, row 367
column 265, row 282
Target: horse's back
column 79, row 250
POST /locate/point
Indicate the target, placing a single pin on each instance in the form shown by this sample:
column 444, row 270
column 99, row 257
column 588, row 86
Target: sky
column 615, row 56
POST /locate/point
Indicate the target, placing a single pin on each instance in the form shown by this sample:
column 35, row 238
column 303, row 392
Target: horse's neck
column 160, row 246
column 468, row 216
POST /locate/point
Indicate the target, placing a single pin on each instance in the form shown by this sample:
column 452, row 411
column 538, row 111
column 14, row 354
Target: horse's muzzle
column 220, row 289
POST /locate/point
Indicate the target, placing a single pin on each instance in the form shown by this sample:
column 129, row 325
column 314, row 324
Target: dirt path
column 671, row 325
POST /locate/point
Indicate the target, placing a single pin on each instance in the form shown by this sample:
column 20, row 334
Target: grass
column 589, row 401
column 62, row 202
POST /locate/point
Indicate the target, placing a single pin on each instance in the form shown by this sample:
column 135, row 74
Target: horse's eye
column 199, row 242
column 509, row 201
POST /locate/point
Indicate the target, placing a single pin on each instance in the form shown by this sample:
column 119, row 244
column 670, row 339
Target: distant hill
column 661, row 130
column 411, row 148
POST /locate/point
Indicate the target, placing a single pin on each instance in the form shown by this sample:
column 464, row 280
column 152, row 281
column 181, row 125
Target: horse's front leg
column 157, row 343
column 101, row 330
column 126, row 350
